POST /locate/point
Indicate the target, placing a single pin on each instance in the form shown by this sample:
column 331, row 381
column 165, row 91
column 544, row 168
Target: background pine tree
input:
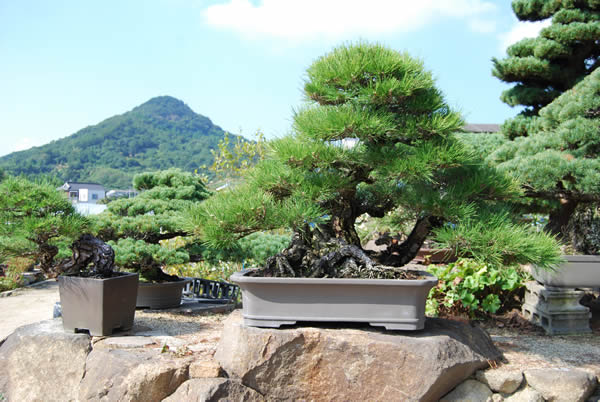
column 558, row 163
column 544, row 67
column 135, row 226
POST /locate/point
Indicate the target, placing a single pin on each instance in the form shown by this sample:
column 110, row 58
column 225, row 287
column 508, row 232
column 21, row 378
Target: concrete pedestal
column 557, row 310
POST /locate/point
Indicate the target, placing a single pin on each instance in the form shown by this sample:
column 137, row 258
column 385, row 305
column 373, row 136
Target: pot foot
column 250, row 322
column 400, row 326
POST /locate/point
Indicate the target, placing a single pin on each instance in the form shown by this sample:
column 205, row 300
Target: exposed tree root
column 317, row 253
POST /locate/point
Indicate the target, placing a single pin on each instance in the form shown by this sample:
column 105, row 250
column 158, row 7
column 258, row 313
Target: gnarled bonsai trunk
column 152, row 271
column 324, row 251
column 89, row 250
column 558, row 219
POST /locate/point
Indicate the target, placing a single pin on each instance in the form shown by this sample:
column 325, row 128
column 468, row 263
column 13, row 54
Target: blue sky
column 69, row 64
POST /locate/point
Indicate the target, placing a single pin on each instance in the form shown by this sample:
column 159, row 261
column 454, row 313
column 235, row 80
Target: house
column 481, row 128
column 88, row 193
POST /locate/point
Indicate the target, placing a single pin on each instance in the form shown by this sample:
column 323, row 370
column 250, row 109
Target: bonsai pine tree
column 375, row 137
column 559, row 162
column 544, row 67
column 135, row 226
column 38, row 222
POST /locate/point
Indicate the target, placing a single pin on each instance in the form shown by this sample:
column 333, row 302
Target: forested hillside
column 159, row 134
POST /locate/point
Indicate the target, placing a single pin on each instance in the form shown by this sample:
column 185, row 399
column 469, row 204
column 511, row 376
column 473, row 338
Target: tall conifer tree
column 544, row 67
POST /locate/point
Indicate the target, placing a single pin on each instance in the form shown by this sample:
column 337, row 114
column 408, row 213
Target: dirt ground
column 27, row 305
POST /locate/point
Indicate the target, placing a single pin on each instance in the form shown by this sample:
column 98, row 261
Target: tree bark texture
column 89, row 251
column 323, row 251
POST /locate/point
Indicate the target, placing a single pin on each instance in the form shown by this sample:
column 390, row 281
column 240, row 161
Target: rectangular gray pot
column 98, row 305
column 396, row 304
column 579, row 271
column 160, row 295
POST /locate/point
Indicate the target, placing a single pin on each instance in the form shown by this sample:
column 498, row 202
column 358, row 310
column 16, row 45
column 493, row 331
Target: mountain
column 161, row 133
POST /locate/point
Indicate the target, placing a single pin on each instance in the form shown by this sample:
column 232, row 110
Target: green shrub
column 475, row 289
column 215, row 271
column 13, row 273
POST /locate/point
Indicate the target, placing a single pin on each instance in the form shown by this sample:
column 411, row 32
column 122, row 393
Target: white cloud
column 310, row 19
column 522, row 30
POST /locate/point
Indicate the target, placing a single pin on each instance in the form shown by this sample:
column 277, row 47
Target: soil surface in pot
column 409, row 271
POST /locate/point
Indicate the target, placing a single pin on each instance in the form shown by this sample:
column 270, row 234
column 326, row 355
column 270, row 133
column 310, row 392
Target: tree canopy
column 559, row 160
column 406, row 162
column 135, row 226
column 566, row 51
column 37, row 221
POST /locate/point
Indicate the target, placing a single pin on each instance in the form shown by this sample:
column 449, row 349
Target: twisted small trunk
column 46, row 257
column 558, row 219
column 398, row 253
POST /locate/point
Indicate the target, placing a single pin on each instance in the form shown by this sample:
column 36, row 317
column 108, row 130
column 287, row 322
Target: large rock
column 41, row 362
column 350, row 364
column 501, row 380
column 214, row 389
column 527, row 394
column 469, row 391
column 561, row 384
column 142, row 375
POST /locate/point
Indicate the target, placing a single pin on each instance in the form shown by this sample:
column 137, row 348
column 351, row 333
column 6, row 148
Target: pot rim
column 581, row 257
column 241, row 277
column 77, row 277
column 180, row 282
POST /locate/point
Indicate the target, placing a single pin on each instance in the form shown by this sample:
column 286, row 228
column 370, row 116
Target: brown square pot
column 98, row 305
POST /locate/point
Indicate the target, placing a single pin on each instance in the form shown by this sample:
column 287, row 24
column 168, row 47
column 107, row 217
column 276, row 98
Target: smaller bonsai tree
column 405, row 162
column 558, row 164
column 38, row 222
column 135, row 227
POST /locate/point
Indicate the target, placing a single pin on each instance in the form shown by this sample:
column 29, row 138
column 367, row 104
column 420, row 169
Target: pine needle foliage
column 134, row 227
column 559, row 160
column 566, row 51
column 36, row 221
column 375, row 136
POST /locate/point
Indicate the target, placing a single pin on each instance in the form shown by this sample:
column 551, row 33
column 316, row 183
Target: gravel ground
column 540, row 351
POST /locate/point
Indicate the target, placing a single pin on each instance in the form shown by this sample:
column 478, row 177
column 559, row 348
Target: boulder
column 214, row 389
column 337, row 363
column 502, row 380
column 561, row 384
column 527, row 394
column 42, row 362
column 495, row 398
column 468, row 391
column 142, row 375
column 205, row 368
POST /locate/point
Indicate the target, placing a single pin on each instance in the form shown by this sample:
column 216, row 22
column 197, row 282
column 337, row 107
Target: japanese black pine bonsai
column 558, row 164
column 40, row 223
column 135, row 227
column 405, row 162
